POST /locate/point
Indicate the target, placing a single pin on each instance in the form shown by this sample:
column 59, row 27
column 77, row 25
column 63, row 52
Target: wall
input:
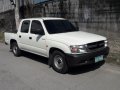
column 94, row 14
column 5, row 5
column 7, row 21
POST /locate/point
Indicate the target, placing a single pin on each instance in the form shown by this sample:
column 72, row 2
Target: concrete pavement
column 31, row 72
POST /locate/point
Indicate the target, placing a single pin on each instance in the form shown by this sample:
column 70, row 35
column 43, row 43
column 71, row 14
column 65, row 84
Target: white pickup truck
column 58, row 40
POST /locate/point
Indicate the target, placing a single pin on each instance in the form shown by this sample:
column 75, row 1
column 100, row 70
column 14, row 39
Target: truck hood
column 76, row 38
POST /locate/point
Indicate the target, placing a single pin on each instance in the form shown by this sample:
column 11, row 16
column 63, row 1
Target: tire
column 58, row 62
column 15, row 49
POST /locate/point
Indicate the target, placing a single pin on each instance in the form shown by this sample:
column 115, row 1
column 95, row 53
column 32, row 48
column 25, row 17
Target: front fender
column 54, row 44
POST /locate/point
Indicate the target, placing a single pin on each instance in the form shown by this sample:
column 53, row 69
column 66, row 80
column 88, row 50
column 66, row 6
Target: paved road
column 30, row 72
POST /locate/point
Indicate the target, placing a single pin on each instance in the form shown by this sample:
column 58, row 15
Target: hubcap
column 15, row 49
column 58, row 61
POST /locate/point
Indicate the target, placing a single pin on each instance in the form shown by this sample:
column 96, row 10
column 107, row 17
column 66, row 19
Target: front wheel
column 15, row 49
column 58, row 62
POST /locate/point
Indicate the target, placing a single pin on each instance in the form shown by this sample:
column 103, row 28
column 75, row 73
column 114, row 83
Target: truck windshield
column 59, row 26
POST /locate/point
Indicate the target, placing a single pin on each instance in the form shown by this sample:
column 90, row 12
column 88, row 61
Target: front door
column 37, row 38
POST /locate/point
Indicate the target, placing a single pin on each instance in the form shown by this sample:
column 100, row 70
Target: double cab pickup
column 58, row 40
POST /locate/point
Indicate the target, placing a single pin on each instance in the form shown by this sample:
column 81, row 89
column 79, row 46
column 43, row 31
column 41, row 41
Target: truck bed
column 8, row 36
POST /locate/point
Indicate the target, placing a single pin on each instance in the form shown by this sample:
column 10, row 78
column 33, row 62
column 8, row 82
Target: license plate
column 99, row 58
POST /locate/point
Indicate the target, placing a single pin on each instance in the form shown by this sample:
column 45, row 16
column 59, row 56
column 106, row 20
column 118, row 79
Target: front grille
column 96, row 45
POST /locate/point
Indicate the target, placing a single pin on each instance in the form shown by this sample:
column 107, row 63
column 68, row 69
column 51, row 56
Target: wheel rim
column 15, row 49
column 58, row 62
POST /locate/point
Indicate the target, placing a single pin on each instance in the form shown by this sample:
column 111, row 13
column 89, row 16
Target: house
column 7, row 13
column 5, row 5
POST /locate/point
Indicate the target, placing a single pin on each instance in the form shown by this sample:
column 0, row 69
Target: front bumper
column 86, row 58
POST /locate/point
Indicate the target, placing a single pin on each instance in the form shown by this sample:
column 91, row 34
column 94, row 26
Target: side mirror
column 76, row 25
column 41, row 32
column 38, row 31
column 77, row 28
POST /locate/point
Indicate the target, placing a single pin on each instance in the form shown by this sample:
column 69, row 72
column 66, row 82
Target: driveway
column 31, row 72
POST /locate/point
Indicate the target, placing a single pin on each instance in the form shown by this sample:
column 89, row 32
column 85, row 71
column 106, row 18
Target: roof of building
column 45, row 18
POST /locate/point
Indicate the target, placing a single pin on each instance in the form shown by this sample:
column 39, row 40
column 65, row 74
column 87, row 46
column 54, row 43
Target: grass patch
column 114, row 58
column 1, row 36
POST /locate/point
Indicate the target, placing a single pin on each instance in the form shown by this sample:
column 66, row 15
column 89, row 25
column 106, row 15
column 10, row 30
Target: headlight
column 78, row 49
column 106, row 43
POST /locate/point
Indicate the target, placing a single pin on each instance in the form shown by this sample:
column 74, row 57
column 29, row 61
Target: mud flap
column 50, row 61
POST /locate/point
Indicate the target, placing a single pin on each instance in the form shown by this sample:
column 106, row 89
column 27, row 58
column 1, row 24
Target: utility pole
column 16, row 8
column 17, row 17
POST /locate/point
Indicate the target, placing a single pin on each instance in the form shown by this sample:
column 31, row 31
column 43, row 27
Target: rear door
column 23, row 35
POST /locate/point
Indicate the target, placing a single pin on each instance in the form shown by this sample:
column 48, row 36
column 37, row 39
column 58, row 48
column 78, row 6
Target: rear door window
column 25, row 26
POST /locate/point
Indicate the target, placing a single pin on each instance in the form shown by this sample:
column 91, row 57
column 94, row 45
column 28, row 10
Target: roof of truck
column 44, row 18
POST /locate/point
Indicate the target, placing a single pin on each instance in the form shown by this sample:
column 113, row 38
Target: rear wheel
column 15, row 49
column 58, row 62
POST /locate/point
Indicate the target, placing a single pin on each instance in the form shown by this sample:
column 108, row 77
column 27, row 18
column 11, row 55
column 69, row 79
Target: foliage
column 2, row 23
column 114, row 58
column 1, row 36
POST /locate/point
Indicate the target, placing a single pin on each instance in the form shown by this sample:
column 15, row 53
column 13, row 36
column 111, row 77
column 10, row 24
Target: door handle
column 30, row 37
column 19, row 36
